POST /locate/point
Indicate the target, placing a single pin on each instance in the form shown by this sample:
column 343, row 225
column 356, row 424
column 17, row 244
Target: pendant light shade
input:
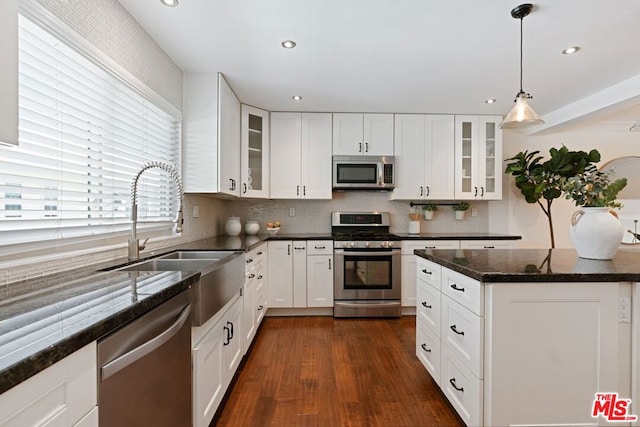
column 635, row 127
column 522, row 114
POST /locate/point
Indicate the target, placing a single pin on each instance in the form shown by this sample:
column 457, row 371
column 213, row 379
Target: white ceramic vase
column 460, row 215
column 233, row 227
column 251, row 228
column 596, row 233
column 428, row 214
column 414, row 227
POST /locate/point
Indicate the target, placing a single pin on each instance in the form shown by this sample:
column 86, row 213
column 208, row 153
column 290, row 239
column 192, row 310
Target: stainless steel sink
column 221, row 277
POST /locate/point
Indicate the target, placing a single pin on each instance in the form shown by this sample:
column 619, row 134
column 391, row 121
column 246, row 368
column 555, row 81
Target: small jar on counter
column 251, row 228
column 233, row 227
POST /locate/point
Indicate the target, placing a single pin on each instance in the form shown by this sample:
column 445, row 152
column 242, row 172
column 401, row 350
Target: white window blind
column 83, row 136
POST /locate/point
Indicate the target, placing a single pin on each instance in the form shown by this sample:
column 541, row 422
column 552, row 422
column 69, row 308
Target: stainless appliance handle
column 392, row 252
column 361, row 304
column 139, row 352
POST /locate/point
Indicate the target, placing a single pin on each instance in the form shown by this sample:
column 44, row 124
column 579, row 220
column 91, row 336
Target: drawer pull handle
column 251, row 276
column 259, row 253
column 456, row 288
column 249, row 260
column 429, row 247
column 454, row 329
column 320, row 247
column 425, row 304
column 424, row 347
column 260, row 277
column 425, row 271
column 452, row 381
column 260, row 307
column 489, row 247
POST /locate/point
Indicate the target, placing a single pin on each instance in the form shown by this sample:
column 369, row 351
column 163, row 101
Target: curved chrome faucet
column 134, row 244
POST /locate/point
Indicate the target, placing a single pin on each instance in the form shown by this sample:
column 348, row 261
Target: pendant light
column 521, row 115
column 635, row 127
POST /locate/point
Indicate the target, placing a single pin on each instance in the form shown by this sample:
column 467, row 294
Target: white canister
column 251, row 228
column 233, row 227
column 414, row 227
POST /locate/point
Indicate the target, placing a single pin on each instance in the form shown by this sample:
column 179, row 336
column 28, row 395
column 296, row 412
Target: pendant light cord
column 521, row 91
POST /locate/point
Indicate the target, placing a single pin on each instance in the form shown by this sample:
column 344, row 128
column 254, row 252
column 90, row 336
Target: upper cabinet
column 478, row 157
column 424, row 155
column 211, row 145
column 362, row 134
column 9, row 67
column 300, row 156
column 254, row 153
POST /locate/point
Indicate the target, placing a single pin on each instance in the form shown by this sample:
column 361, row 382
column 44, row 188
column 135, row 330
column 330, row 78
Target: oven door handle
column 367, row 304
column 392, row 252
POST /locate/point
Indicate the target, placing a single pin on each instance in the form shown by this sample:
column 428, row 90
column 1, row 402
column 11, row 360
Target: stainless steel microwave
column 363, row 173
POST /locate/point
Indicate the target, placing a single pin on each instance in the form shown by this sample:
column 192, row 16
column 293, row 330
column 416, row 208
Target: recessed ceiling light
column 296, row 97
column 570, row 50
column 490, row 101
column 170, row 3
column 288, row 44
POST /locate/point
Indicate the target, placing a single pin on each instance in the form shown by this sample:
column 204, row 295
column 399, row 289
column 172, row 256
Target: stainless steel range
column 367, row 265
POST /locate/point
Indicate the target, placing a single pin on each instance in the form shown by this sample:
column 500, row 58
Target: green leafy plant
column 541, row 181
column 594, row 189
column 430, row 207
column 462, row 206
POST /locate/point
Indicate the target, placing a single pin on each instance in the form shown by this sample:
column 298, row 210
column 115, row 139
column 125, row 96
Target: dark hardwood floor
column 321, row 371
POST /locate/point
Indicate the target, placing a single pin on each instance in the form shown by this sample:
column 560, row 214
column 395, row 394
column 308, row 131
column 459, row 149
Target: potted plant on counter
column 429, row 209
column 460, row 209
column 596, row 231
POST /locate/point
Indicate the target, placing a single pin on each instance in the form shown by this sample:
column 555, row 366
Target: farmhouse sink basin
column 221, row 277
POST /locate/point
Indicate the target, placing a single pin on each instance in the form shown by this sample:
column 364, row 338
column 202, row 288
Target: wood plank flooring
column 321, row 371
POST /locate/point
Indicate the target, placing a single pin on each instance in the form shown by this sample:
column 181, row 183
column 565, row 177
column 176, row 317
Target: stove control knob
column 352, row 244
column 345, row 244
column 367, row 244
column 390, row 244
column 384, row 244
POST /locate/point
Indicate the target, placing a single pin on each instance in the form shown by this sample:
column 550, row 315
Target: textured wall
column 315, row 215
column 108, row 26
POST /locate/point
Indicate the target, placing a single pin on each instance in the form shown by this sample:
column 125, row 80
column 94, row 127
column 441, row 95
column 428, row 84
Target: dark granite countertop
column 457, row 236
column 536, row 265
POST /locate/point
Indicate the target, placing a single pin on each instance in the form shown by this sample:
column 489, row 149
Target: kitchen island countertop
column 536, row 265
column 457, row 236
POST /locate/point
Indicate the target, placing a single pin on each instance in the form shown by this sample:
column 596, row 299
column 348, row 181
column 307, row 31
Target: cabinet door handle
column 288, row 249
column 297, row 190
column 244, row 188
column 230, row 184
column 454, row 329
column 360, row 147
column 424, row 270
column 329, row 263
column 456, row 288
column 366, row 147
column 228, row 340
column 424, row 347
column 260, row 308
column 424, row 303
column 475, row 189
column 452, row 381
column 427, row 191
column 304, row 190
column 230, row 329
column 251, row 276
column 421, row 191
column 249, row 260
column 481, row 191
column 260, row 277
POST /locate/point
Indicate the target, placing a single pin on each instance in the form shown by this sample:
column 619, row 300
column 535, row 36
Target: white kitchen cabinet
column 217, row 352
column 300, row 156
column 211, row 146
column 9, row 67
column 488, row 244
column 64, row 394
column 253, row 293
column 320, row 273
column 280, row 267
column 299, row 273
column 409, row 265
column 254, row 152
column 424, row 155
column 478, row 158
column 362, row 134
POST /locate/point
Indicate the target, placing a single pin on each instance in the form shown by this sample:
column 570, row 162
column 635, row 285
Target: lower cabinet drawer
column 428, row 350
column 462, row 388
column 463, row 331
column 429, row 271
column 428, row 306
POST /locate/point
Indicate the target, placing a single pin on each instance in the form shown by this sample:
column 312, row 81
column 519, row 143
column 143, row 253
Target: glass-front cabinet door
column 255, row 153
column 478, row 157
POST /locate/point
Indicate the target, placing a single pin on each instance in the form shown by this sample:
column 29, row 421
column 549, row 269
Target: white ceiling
column 413, row 56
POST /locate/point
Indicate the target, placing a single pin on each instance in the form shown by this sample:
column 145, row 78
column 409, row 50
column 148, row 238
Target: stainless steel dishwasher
column 144, row 376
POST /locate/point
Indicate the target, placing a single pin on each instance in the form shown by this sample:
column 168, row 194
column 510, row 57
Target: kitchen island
column 528, row 336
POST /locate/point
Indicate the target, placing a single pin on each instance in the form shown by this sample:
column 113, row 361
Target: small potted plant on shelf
column 595, row 229
column 429, row 209
column 460, row 209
